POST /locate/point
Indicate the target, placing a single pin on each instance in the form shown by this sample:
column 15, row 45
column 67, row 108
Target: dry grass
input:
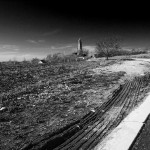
column 44, row 98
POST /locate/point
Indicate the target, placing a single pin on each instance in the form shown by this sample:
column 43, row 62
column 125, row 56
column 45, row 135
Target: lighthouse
column 79, row 47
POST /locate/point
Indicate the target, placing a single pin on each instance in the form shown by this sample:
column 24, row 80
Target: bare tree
column 108, row 47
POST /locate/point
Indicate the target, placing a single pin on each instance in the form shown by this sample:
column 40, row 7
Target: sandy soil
column 132, row 68
column 135, row 67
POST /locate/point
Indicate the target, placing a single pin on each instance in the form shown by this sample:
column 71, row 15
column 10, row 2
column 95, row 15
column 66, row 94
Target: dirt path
column 132, row 68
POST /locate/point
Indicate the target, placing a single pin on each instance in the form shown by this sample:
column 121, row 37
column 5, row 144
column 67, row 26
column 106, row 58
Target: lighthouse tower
column 79, row 47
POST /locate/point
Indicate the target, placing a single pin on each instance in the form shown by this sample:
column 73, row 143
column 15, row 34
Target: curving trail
column 86, row 133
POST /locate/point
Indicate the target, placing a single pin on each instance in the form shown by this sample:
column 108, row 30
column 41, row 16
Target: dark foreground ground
column 142, row 141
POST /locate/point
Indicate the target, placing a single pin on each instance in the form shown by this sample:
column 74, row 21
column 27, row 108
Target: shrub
column 60, row 58
column 35, row 61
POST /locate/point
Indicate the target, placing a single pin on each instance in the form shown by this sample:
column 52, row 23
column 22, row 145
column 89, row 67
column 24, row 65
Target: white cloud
column 8, row 52
column 89, row 47
column 14, row 52
column 28, row 56
column 5, row 56
column 36, row 41
column 8, row 47
column 41, row 41
column 51, row 32
column 32, row 41
column 60, row 47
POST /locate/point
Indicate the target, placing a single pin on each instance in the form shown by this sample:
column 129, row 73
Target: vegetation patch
column 41, row 99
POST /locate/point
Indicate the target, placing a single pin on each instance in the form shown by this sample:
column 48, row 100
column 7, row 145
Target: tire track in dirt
column 102, row 125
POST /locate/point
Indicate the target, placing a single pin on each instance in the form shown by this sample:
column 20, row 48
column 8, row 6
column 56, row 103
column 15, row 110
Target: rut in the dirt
column 86, row 133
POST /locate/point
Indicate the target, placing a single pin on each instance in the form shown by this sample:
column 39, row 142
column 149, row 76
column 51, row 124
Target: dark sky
column 37, row 28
